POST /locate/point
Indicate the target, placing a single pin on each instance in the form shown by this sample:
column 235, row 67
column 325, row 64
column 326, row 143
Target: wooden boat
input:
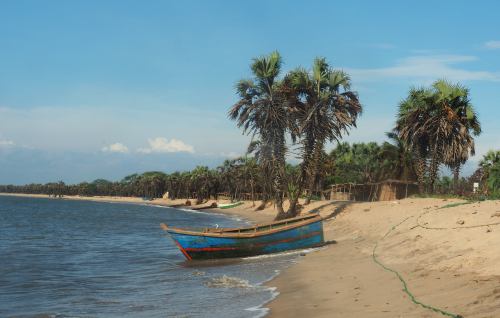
column 290, row 234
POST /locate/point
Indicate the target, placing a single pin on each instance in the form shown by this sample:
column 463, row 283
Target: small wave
column 45, row 315
column 260, row 310
column 227, row 282
column 294, row 252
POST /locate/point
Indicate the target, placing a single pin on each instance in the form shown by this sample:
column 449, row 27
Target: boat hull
column 210, row 247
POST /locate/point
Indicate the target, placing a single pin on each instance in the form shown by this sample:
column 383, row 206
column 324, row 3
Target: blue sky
column 94, row 89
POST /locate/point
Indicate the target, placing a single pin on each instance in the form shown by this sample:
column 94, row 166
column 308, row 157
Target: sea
column 65, row 258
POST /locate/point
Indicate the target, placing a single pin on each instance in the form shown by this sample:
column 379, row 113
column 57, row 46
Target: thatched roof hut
column 386, row 190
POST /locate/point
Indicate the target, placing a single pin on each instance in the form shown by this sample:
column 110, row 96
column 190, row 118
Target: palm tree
column 490, row 166
column 262, row 155
column 324, row 109
column 437, row 124
column 261, row 111
column 456, row 122
column 410, row 127
column 490, row 159
column 398, row 160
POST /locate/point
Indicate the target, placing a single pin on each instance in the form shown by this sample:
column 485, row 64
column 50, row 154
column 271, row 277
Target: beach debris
column 461, row 222
column 302, row 254
column 227, row 282
column 475, row 212
column 188, row 203
column 496, row 214
column 488, row 230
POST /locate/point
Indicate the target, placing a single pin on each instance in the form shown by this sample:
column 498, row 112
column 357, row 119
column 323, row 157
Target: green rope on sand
column 405, row 286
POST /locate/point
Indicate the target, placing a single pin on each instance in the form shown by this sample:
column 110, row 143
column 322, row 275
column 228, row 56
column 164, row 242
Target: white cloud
column 6, row 143
column 230, row 155
column 116, row 147
column 163, row 145
column 492, row 45
column 426, row 68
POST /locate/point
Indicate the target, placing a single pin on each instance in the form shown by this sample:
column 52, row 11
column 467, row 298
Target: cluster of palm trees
column 307, row 107
column 437, row 124
column 370, row 162
column 242, row 177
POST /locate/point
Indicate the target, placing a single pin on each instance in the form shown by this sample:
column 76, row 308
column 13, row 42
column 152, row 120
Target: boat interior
column 264, row 226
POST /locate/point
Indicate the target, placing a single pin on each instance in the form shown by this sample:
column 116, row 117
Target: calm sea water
column 63, row 258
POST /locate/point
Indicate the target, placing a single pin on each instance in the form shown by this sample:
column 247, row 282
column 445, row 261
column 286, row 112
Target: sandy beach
column 447, row 256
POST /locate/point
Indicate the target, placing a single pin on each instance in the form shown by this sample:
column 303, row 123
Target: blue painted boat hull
column 199, row 246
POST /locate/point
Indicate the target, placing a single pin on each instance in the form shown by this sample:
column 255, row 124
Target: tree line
column 241, row 178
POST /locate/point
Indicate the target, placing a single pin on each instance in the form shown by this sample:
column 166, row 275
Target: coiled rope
column 405, row 285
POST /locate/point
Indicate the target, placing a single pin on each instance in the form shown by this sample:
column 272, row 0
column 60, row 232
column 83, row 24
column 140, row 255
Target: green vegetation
column 437, row 125
column 310, row 107
column 452, row 205
column 490, row 170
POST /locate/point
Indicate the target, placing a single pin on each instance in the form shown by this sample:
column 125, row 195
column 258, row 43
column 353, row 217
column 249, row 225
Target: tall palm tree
column 412, row 115
column 324, row 109
column 454, row 123
column 262, row 111
column 463, row 121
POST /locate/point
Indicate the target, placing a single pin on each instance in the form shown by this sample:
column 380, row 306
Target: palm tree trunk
column 456, row 175
column 252, row 190
column 279, row 170
column 420, row 168
column 262, row 205
column 433, row 169
column 314, row 170
column 304, row 167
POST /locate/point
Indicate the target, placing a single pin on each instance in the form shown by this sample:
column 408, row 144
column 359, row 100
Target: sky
column 103, row 89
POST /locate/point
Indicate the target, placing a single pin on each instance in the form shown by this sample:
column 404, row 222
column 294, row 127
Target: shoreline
column 455, row 270
column 264, row 216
